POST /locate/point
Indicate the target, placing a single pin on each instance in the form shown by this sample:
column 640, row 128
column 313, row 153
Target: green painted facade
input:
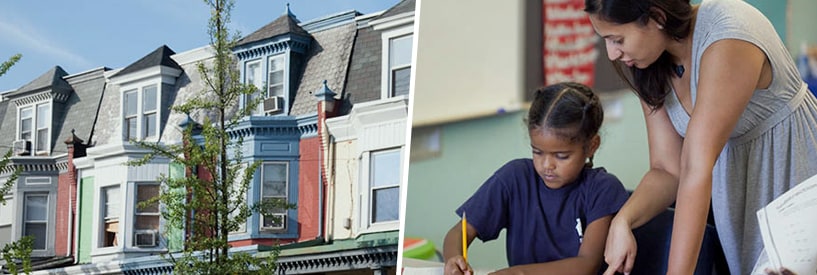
column 175, row 237
column 86, row 215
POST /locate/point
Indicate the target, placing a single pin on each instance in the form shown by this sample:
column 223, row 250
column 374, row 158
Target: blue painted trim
column 272, row 46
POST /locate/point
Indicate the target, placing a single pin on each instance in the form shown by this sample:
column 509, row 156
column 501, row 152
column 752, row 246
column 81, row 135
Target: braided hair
column 570, row 110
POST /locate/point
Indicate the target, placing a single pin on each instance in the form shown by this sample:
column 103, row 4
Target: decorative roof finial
column 289, row 12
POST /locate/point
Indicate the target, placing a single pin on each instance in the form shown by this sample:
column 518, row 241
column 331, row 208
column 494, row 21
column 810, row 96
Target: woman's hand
column 620, row 250
column 456, row 265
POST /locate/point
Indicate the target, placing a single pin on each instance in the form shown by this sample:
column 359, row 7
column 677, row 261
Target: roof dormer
column 142, row 86
column 36, row 104
column 270, row 58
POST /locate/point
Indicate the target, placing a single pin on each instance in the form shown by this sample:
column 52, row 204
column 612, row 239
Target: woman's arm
column 587, row 261
column 730, row 72
column 654, row 193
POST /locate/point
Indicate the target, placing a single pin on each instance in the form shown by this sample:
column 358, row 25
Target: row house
column 330, row 135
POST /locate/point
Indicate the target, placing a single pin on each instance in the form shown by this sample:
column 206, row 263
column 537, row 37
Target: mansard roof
column 159, row 57
column 328, row 59
column 51, row 79
column 285, row 24
column 82, row 108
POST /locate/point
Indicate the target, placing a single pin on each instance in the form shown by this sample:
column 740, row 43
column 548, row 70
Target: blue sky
column 87, row 34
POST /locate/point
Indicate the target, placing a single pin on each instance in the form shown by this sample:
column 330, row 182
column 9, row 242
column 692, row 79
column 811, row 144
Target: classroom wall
column 801, row 21
column 471, row 150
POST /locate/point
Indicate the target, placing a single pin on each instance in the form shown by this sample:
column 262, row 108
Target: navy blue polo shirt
column 543, row 224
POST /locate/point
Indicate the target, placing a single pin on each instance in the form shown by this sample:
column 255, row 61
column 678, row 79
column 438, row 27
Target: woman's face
column 633, row 44
column 558, row 160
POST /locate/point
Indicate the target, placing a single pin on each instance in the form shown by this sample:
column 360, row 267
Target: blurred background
column 477, row 65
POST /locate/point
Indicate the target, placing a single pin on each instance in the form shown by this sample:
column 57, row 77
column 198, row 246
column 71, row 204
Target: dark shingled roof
column 403, row 6
column 52, row 78
column 328, row 60
column 283, row 25
column 160, row 56
column 81, row 108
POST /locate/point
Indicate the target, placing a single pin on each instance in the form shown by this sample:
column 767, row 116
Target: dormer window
column 275, row 91
column 34, row 127
column 140, row 113
column 396, row 39
column 399, row 69
column 276, row 75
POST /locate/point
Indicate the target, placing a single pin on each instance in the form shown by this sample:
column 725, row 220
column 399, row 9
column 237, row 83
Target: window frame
column 367, row 191
column 7, row 212
column 261, row 220
column 105, row 218
column 34, row 127
column 139, row 117
column 258, row 83
column 26, row 222
column 284, row 74
column 386, row 80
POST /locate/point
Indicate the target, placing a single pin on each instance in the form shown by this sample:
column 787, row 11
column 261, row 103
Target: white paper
column 422, row 267
column 789, row 229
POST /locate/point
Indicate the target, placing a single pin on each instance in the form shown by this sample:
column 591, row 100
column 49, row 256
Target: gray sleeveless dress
column 774, row 144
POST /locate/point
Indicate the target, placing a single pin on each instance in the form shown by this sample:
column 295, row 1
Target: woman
column 728, row 119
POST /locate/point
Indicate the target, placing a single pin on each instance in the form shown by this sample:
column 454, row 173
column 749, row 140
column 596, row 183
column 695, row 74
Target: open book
column 789, row 229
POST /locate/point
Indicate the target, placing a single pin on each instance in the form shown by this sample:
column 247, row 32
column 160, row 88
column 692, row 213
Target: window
column 239, row 177
column 253, row 75
column 399, row 65
column 26, row 116
column 276, row 76
column 149, row 111
column 146, row 217
column 6, row 219
column 131, row 114
column 274, row 189
column 384, row 177
column 36, row 218
column 34, row 126
column 140, row 113
column 110, row 213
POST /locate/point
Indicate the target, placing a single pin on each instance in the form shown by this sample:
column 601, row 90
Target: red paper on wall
column 569, row 52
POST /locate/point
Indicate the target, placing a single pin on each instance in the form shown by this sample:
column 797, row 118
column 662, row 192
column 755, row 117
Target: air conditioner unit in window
column 21, row 147
column 145, row 238
column 273, row 104
column 276, row 222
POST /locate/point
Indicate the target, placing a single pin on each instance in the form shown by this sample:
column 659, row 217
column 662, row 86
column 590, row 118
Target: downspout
column 330, row 213
column 79, row 213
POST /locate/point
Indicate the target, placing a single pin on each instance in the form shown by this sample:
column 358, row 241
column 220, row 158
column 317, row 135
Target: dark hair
column 568, row 109
column 651, row 83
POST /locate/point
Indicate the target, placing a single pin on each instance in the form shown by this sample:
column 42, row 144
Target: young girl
column 556, row 207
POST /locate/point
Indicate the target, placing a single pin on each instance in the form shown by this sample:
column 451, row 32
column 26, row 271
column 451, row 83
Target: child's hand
column 782, row 271
column 456, row 265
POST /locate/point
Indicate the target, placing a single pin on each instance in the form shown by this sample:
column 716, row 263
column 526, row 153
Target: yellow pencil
column 464, row 238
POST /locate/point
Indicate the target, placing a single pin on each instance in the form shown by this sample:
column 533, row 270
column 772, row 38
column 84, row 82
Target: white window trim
column 385, row 71
column 136, row 212
column 286, row 196
column 365, row 193
column 236, row 184
column 48, row 203
column 140, row 113
column 34, row 129
column 261, row 88
column 100, row 215
column 285, row 80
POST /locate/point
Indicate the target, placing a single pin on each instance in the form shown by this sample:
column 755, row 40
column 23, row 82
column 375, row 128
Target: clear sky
column 87, row 34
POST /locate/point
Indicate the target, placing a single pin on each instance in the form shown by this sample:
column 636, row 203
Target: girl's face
column 631, row 43
column 557, row 160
